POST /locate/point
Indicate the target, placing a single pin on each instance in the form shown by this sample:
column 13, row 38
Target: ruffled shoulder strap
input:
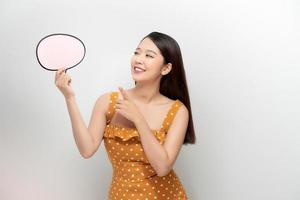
column 112, row 106
column 170, row 116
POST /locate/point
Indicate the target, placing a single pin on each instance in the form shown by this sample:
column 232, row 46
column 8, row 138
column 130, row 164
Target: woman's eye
column 135, row 53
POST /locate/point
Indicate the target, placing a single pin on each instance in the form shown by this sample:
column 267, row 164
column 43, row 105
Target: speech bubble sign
column 60, row 50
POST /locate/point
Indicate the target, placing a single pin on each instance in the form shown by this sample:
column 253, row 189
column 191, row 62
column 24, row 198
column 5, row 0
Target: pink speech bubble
column 60, row 50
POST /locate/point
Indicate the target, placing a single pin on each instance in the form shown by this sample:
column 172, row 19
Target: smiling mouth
column 138, row 69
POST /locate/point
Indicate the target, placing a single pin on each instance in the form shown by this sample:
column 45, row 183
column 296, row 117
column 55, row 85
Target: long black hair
column 173, row 84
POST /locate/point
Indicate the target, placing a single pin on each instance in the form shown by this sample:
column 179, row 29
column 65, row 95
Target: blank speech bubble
column 60, row 50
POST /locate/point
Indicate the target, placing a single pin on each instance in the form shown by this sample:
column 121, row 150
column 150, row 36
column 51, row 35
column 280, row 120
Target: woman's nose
column 138, row 59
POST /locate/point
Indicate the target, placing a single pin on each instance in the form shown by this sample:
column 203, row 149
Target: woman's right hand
column 63, row 82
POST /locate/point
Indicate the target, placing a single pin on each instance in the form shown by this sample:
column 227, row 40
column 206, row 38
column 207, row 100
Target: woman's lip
column 139, row 68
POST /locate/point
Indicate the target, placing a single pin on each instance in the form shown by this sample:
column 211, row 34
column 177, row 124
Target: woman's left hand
column 127, row 107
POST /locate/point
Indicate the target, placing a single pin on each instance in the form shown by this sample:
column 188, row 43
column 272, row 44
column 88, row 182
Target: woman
column 144, row 127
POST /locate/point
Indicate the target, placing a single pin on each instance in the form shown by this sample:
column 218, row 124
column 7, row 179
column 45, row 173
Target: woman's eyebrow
column 148, row 50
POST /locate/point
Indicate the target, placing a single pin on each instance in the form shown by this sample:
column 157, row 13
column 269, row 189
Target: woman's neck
column 145, row 94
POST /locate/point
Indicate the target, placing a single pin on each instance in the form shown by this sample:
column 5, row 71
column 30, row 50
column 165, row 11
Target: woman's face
column 147, row 57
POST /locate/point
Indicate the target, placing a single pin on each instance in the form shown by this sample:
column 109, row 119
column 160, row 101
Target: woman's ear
column 166, row 69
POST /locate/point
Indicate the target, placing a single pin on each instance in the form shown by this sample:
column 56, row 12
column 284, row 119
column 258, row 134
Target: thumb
column 124, row 93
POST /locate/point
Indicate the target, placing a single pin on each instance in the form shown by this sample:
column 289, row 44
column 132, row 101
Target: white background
column 242, row 66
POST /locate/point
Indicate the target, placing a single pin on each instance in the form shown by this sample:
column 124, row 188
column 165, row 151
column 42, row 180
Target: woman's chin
column 136, row 77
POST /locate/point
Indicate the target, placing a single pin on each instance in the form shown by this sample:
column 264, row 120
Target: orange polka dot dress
column 133, row 177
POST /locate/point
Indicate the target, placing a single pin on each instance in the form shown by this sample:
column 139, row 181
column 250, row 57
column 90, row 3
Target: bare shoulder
column 182, row 107
column 167, row 100
column 102, row 101
column 183, row 111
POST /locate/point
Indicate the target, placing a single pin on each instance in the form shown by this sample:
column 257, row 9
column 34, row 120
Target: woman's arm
column 88, row 139
column 162, row 157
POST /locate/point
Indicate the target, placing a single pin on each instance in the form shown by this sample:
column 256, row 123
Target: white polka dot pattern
column 133, row 176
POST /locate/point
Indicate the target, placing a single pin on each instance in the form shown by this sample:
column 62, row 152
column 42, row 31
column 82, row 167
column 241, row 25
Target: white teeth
column 138, row 69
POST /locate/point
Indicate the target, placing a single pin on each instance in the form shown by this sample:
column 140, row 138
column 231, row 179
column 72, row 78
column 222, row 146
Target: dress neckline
column 129, row 128
column 164, row 125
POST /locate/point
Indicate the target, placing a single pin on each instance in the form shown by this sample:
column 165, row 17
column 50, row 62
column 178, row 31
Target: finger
column 64, row 70
column 124, row 93
column 118, row 107
column 119, row 101
column 66, row 80
column 60, row 69
column 57, row 74
column 69, row 79
column 122, row 97
column 61, row 78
